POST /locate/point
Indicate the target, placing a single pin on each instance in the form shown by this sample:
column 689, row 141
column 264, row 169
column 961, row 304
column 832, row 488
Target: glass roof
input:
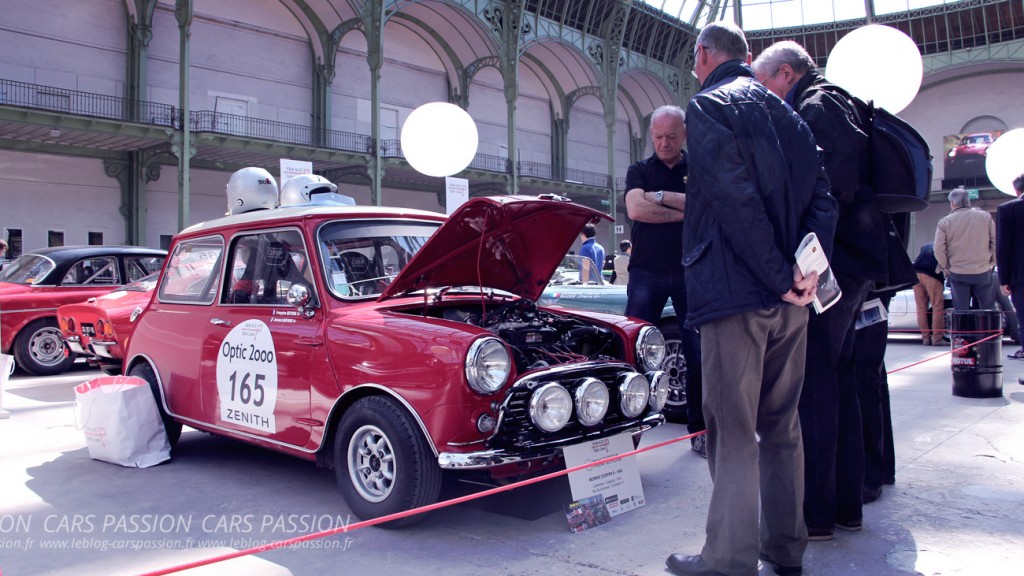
column 766, row 14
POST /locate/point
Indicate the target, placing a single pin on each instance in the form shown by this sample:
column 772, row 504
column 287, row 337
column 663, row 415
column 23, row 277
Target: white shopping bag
column 121, row 422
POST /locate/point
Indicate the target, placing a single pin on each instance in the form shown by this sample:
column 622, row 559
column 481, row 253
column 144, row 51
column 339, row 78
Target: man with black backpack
column 830, row 416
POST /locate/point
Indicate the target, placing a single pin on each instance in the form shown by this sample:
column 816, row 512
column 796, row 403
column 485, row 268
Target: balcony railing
column 13, row 93
column 491, row 163
column 235, row 125
column 350, row 141
column 571, row 175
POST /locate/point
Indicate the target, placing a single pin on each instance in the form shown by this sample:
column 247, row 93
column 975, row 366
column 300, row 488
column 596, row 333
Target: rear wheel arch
column 142, row 367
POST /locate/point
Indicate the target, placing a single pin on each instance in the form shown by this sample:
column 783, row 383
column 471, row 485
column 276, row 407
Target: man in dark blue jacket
column 755, row 188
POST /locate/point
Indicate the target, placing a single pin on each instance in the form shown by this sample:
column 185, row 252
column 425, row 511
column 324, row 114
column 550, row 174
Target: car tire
column 674, row 367
column 173, row 429
column 402, row 473
column 39, row 349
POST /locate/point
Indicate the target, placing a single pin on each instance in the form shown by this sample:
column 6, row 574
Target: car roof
column 284, row 215
column 58, row 253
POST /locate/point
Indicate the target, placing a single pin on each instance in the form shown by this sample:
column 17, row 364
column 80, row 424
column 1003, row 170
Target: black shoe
column 850, row 526
column 781, row 569
column 684, row 565
column 871, row 493
column 819, row 534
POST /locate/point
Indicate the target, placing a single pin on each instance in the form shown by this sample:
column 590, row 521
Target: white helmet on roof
column 298, row 191
column 251, row 189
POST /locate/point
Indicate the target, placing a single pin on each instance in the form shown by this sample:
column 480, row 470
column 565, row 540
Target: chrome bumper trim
column 75, row 345
column 498, row 457
column 102, row 348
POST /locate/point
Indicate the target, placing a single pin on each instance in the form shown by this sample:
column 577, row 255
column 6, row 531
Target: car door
column 170, row 332
column 259, row 352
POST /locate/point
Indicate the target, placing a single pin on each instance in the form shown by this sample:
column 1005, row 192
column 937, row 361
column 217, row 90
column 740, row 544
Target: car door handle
column 220, row 322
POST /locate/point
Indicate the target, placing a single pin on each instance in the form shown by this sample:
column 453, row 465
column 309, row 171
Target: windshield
column 142, row 285
column 361, row 258
column 27, row 269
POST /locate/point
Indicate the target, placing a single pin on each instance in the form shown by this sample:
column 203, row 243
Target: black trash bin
column 978, row 369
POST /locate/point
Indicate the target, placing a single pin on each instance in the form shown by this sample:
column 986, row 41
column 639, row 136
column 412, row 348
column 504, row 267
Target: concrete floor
column 957, row 508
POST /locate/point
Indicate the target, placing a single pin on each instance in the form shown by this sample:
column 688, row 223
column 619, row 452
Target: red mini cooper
column 392, row 344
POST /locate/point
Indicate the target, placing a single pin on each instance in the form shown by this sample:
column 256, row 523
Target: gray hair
column 669, row 110
column 958, row 198
column 724, row 38
column 784, row 52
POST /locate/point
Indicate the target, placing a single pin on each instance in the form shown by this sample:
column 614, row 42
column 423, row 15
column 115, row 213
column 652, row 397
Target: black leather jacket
column 755, row 187
column 860, row 241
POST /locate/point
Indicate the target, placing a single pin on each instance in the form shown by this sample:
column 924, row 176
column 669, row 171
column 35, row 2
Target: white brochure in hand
column 810, row 257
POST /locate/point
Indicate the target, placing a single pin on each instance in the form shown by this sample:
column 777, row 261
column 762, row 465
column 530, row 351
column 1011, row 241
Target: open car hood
column 511, row 243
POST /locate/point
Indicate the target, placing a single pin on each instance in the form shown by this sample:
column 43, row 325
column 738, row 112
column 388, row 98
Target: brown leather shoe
column 684, row 565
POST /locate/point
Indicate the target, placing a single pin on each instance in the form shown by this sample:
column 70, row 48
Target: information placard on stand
column 618, row 481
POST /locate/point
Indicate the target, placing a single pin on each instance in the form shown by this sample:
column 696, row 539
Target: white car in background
column 903, row 313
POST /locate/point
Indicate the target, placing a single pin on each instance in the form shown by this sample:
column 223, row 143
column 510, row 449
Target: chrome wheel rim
column 46, row 346
column 371, row 463
column 674, row 367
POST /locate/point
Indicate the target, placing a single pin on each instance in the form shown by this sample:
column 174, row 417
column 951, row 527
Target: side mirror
column 299, row 297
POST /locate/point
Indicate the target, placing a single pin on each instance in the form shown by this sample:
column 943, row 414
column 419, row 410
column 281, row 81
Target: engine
column 540, row 338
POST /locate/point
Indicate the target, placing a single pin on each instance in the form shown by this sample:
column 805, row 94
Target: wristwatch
column 659, row 197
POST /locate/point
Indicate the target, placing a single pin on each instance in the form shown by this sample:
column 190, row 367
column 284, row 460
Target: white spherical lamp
column 1004, row 160
column 439, row 139
column 877, row 63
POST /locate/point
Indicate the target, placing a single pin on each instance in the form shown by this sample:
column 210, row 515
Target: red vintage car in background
column 34, row 285
column 967, row 157
column 392, row 345
column 98, row 329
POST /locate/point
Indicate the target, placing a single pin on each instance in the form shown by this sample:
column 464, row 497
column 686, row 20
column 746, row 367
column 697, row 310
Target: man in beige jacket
column 965, row 247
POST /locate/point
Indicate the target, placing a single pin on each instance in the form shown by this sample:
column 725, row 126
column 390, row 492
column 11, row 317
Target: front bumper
column 498, row 457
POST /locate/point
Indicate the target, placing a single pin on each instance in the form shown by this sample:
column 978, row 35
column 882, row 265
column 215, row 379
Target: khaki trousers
column 753, row 371
column 932, row 323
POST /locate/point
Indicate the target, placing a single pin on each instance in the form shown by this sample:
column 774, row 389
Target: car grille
column 516, row 431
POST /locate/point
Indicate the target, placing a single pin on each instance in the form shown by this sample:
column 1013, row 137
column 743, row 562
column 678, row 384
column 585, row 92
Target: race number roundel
column 247, row 377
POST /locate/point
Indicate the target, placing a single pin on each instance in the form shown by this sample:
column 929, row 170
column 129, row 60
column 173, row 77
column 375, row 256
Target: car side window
column 262, row 267
column 138, row 267
column 192, row 271
column 100, row 271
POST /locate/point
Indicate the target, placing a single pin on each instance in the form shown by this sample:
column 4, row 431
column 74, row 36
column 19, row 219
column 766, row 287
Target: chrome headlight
column 634, row 391
column 591, row 401
column 487, row 365
column 550, row 407
column 650, row 348
column 659, row 389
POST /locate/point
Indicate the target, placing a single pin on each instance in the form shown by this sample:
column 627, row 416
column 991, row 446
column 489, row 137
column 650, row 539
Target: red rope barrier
column 413, row 512
column 489, row 492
